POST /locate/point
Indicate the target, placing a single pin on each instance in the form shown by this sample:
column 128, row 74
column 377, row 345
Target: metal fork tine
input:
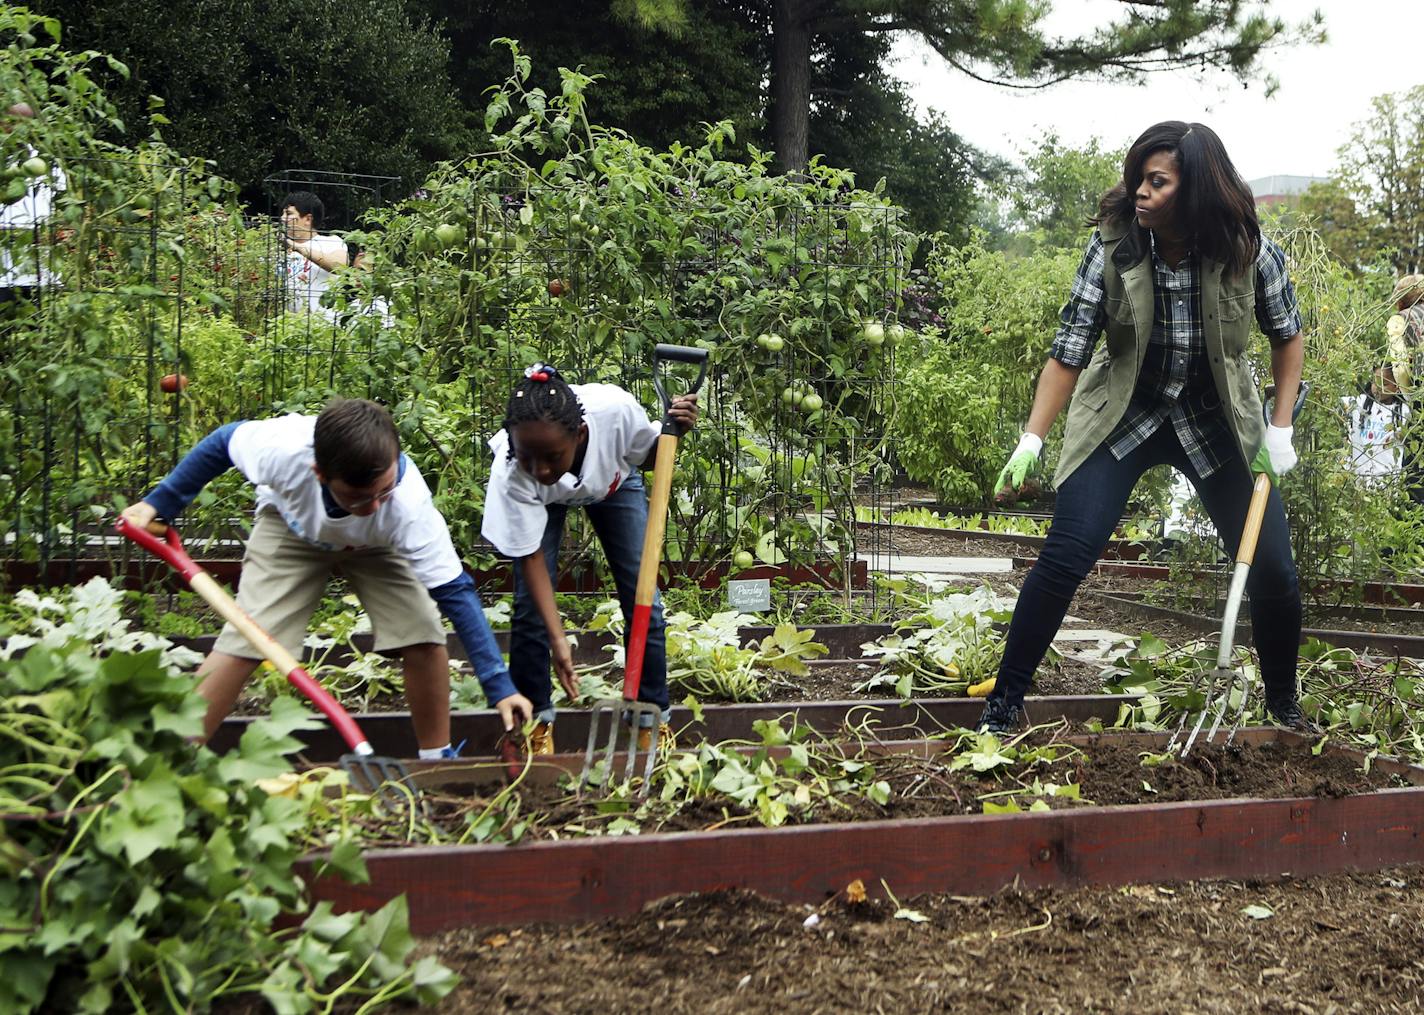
column 1240, row 712
column 1207, row 702
column 1177, row 733
column 619, row 713
column 382, row 779
column 1223, row 705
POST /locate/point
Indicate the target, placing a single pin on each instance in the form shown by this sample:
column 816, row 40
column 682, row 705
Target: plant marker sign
column 752, row 595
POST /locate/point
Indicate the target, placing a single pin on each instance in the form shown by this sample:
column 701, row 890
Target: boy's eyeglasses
column 383, row 495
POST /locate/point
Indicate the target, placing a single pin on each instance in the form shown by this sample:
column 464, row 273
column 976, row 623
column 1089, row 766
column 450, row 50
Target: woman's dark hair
column 355, row 441
column 1213, row 206
column 542, row 395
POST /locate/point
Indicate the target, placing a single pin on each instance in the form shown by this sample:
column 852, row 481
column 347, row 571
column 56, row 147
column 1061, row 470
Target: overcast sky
column 1374, row 46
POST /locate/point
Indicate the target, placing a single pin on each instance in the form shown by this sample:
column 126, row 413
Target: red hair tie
column 539, row 372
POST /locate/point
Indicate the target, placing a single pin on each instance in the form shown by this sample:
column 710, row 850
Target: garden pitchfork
column 1224, row 675
column 386, row 777
column 629, row 709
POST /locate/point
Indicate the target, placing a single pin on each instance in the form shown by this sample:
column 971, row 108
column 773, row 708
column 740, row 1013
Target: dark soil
column 934, row 544
column 1345, row 943
column 1108, row 772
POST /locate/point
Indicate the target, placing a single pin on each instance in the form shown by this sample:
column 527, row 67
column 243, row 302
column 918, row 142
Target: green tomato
column 35, row 166
column 743, row 560
column 449, row 234
column 873, row 333
column 895, row 334
column 790, row 396
column 811, row 402
column 774, row 343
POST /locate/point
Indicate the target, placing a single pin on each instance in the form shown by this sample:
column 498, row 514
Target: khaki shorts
column 284, row 577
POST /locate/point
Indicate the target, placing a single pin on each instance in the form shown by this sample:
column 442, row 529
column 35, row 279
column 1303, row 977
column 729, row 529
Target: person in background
column 1405, row 333
column 311, row 256
column 23, row 217
column 1378, row 416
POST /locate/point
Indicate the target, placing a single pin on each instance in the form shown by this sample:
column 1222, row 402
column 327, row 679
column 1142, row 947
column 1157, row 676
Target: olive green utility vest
column 1105, row 386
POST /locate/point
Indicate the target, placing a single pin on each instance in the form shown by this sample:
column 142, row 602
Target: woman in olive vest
column 1171, row 280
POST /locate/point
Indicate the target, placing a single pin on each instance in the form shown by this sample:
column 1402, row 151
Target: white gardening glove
column 1277, row 456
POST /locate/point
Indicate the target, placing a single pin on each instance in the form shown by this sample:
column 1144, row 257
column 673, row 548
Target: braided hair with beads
column 543, row 395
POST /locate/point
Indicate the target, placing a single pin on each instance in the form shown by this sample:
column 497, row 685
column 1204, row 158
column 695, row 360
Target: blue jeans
column 619, row 521
column 1089, row 504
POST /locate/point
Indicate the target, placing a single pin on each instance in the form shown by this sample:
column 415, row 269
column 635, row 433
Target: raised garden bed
column 1117, row 549
column 1386, row 642
column 1312, row 826
column 139, row 573
column 1342, row 943
column 390, row 733
column 1378, row 593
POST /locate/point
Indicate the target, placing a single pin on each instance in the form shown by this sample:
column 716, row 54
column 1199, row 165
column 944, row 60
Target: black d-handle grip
column 1271, row 397
column 677, row 354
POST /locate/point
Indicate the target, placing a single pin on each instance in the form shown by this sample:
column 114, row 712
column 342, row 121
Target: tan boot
column 541, row 740
column 666, row 740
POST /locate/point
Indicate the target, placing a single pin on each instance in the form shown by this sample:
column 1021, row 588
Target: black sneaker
column 999, row 718
column 1287, row 713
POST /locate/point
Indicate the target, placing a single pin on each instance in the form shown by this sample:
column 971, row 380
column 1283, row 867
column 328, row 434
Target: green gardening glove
column 1022, row 464
column 1262, row 463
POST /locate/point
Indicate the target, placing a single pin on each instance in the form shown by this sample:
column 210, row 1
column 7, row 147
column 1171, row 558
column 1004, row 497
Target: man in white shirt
column 311, row 256
column 23, row 219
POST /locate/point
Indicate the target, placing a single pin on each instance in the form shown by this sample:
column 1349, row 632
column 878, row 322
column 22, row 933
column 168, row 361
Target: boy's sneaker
column 541, row 739
column 666, row 740
column 1287, row 713
column 999, row 718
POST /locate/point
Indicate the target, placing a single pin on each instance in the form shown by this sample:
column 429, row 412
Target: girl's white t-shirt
column 620, row 436
column 276, row 456
column 1375, row 440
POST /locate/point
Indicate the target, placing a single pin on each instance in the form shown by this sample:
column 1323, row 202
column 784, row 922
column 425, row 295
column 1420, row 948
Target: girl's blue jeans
column 619, row 521
column 1089, row 504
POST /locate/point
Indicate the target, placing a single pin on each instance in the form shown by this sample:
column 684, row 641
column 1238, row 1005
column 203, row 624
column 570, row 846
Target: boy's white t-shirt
column 276, row 456
column 1375, row 446
column 620, row 436
column 307, row 280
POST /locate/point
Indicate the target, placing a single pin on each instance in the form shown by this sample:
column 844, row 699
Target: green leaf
column 431, row 980
column 346, row 859
column 329, row 925
column 1009, row 806
column 145, row 817
column 767, row 551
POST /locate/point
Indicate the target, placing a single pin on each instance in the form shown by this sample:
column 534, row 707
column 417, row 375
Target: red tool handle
column 170, row 550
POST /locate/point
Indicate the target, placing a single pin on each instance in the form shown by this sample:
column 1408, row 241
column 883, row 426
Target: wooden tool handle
column 648, row 566
column 1246, row 552
column 658, row 499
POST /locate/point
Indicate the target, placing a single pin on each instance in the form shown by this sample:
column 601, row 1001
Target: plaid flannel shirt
column 1175, row 382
